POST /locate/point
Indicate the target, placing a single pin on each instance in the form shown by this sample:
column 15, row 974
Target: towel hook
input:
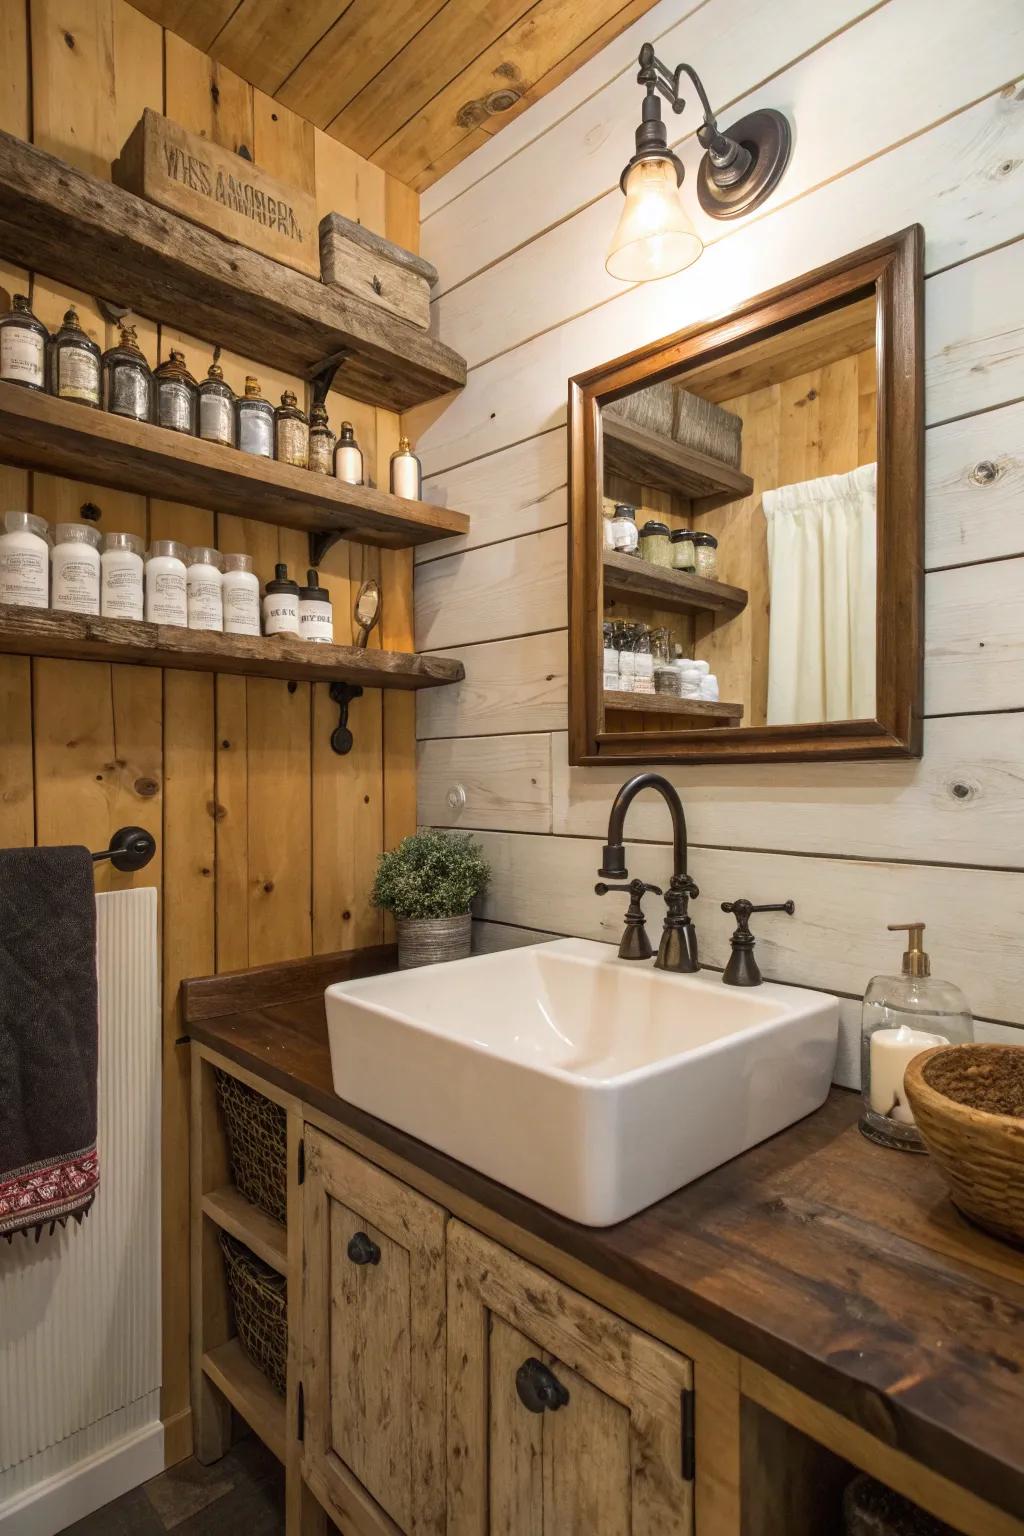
column 131, row 848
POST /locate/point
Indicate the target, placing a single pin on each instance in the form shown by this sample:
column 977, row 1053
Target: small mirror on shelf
column 367, row 610
column 746, row 529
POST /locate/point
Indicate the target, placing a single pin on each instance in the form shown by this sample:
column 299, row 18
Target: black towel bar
column 131, row 848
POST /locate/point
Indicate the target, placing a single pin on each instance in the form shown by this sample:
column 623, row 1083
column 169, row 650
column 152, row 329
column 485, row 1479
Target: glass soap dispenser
column 903, row 1016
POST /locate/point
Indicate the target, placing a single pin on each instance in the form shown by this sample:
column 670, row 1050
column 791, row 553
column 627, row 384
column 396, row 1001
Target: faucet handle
column 635, row 944
column 743, row 969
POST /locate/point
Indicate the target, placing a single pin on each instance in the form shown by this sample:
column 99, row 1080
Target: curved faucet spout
column 613, row 861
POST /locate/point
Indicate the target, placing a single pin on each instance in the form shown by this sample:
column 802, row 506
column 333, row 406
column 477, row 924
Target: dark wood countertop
column 837, row 1265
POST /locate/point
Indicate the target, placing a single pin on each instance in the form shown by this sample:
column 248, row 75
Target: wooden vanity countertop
column 837, row 1265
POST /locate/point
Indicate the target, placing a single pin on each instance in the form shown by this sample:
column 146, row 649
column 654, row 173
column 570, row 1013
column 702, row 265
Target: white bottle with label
column 316, row 616
column 25, row 560
column 281, row 604
column 241, row 589
column 121, row 584
column 348, row 456
column 75, row 561
column 166, row 596
column 205, row 590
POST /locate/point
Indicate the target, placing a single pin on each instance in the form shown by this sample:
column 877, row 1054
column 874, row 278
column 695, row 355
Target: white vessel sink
column 593, row 1085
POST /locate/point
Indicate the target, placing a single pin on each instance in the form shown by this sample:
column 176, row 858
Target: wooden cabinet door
column 605, row 1456
column 373, row 1345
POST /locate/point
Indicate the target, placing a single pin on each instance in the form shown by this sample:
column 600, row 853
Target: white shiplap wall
column 903, row 112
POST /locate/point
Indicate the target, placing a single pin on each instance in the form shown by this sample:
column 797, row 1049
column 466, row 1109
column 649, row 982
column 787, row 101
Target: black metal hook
column 342, row 695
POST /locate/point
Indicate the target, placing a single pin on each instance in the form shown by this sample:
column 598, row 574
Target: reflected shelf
column 639, row 454
column 668, row 704
column 630, row 578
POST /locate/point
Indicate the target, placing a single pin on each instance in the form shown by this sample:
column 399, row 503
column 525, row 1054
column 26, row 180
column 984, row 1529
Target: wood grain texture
column 677, row 591
column 510, row 685
column 609, row 1458
column 80, row 230
column 764, row 1254
column 373, row 1373
column 40, row 432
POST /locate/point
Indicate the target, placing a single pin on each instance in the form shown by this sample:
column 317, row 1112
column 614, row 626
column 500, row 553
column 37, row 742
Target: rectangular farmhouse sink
column 591, row 1084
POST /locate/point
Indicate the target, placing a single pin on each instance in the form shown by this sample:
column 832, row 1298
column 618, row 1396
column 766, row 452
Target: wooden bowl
column 968, row 1101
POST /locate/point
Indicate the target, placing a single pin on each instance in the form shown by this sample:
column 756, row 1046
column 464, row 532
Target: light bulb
column 654, row 236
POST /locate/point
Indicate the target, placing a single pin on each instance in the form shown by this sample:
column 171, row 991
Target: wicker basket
column 980, row 1149
column 257, row 1144
column 259, row 1301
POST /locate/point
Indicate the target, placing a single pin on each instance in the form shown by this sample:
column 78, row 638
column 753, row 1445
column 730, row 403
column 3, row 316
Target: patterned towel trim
column 49, row 1194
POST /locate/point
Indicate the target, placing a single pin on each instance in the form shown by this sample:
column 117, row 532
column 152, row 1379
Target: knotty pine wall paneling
column 266, row 839
column 938, row 139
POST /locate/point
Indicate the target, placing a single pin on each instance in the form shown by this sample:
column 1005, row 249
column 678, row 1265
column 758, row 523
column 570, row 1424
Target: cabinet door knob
column 539, row 1388
column 362, row 1249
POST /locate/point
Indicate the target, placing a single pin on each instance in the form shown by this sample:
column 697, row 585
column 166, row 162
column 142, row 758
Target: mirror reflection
column 739, row 535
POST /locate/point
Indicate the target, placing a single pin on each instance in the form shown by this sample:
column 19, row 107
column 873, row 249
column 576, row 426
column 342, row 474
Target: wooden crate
column 369, row 267
column 219, row 189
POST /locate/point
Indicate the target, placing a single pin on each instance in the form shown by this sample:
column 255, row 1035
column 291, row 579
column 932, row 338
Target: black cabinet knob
column 362, row 1249
column 539, row 1388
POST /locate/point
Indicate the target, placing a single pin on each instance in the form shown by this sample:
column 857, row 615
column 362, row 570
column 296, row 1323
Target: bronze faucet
column 678, row 948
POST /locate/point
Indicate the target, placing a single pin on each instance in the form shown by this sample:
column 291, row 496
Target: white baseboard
column 50, row 1506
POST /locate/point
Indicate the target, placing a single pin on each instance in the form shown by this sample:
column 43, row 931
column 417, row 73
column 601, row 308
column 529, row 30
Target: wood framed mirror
column 746, row 528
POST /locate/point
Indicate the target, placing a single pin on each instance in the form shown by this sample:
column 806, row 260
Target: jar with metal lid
column 177, row 396
column 321, row 440
column 684, row 554
column 216, row 408
column 128, row 387
column 706, row 550
column 255, row 421
column 624, row 529
column 291, row 432
column 23, row 341
column 75, row 363
column 654, row 544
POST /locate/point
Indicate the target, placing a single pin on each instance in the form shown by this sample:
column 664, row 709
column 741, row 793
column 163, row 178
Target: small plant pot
column 429, row 940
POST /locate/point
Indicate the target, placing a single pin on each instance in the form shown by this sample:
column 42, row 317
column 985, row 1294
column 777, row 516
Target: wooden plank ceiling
column 413, row 85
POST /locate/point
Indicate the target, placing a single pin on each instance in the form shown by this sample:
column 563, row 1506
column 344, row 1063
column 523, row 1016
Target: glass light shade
column 654, row 237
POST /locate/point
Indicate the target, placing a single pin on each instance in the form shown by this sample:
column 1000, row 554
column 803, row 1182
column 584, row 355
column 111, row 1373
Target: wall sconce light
column 654, row 236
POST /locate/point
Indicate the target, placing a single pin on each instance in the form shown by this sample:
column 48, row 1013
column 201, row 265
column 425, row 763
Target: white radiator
column 80, row 1311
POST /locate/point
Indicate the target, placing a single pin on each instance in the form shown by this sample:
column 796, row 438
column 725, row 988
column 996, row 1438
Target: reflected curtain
column 822, row 564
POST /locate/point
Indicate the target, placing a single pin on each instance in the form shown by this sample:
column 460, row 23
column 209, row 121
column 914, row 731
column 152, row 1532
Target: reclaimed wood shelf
column 102, row 240
column 62, row 437
column 665, row 704
column 636, row 580
column 229, row 1209
column 249, row 1393
column 639, row 454
column 83, row 637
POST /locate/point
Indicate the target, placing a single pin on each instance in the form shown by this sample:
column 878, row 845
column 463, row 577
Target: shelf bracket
column 321, row 373
column 342, row 694
column 322, row 542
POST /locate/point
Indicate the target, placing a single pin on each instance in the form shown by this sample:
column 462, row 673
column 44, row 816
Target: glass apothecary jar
column 74, row 363
column 23, row 341
column 706, row 550
column 216, row 408
column 902, row 1016
column 624, row 531
column 655, row 545
column 291, row 432
column 177, row 396
column 255, row 421
column 684, row 555
column 128, row 386
column 321, row 440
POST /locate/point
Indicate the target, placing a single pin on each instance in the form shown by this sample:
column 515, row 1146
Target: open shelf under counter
column 249, row 1393
column 229, row 1209
column 639, row 454
column 62, row 437
column 100, row 239
column 634, row 580
column 83, row 637
column 666, row 704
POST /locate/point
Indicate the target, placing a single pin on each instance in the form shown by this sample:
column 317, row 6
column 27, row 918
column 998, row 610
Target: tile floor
column 241, row 1495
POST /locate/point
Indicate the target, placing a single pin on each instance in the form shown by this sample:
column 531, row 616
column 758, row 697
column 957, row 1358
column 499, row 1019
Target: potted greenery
column 429, row 883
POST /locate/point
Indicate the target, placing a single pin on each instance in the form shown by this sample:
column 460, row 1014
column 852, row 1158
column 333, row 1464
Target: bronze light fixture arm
column 740, row 168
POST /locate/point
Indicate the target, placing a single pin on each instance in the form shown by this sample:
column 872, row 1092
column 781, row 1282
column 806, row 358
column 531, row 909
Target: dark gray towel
column 49, row 1035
